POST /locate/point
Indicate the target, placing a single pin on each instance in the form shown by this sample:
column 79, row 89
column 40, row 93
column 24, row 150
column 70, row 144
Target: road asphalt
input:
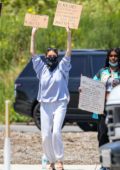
column 34, row 129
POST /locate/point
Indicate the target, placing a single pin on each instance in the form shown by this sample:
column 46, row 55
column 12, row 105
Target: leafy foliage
column 99, row 28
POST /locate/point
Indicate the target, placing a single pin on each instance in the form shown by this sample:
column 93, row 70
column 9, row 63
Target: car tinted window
column 97, row 61
column 80, row 65
column 28, row 71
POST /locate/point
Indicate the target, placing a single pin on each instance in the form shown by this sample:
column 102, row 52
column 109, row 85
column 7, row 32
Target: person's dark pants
column 102, row 131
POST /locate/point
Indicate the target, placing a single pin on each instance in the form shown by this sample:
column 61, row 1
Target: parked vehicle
column 85, row 62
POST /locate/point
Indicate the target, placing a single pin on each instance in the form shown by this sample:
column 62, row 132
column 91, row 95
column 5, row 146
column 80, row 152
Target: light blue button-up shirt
column 53, row 85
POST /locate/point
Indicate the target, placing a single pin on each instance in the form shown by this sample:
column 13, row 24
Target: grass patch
column 7, row 79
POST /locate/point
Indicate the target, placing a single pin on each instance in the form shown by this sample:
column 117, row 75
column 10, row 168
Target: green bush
column 99, row 28
column 7, row 93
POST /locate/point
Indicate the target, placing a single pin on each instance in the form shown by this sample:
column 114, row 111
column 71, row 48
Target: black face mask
column 51, row 62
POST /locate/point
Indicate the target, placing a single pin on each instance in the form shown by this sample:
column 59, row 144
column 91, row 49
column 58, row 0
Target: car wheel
column 36, row 115
column 87, row 126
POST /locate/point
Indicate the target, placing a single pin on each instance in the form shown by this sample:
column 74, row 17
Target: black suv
column 85, row 62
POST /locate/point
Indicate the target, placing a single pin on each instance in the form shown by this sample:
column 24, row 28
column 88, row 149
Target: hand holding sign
column 92, row 95
column 67, row 13
column 67, row 27
column 34, row 29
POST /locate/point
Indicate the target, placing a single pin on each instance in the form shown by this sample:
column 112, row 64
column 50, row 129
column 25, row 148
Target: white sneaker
column 44, row 162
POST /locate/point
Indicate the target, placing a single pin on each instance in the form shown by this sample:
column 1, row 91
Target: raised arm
column 68, row 51
column 32, row 44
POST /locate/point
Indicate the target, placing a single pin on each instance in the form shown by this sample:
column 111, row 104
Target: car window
column 80, row 65
column 85, row 64
column 28, row 71
column 97, row 61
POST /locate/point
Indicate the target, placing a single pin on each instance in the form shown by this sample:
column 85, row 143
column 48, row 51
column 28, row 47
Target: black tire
column 87, row 126
column 36, row 115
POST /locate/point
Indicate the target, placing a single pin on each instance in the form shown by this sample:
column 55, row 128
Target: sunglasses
column 52, row 49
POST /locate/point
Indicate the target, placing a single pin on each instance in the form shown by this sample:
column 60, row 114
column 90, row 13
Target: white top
column 53, row 85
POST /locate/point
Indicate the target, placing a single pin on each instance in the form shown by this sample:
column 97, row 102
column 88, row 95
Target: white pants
column 52, row 117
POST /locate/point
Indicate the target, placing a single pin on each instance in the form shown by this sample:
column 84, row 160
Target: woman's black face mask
column 52, row 62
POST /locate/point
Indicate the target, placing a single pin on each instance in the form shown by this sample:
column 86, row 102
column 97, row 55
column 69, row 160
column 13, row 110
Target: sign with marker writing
column 92, row 95
column 67, row 14
column 38, row 21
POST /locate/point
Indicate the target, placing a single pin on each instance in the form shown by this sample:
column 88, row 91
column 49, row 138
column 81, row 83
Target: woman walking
column 53, row 96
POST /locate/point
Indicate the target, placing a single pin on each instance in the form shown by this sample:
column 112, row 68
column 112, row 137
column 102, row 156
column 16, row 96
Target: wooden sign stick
column 7, row 121
column 7, row 145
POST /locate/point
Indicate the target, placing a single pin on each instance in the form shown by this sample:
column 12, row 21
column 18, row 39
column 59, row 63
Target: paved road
column 34, row 129
column 67, row 167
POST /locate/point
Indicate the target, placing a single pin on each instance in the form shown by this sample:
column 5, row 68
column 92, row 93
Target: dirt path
column 80, row 148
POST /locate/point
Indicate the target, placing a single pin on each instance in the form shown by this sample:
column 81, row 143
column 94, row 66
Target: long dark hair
column 117, row 50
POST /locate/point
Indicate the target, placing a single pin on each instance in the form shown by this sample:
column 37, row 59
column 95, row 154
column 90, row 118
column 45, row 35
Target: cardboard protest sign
column 67, row 13
column 92, row 95
column 38, row 21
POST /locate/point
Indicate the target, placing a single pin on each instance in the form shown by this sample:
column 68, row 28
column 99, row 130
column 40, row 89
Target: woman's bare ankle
column 50, row 166
column 59, row 165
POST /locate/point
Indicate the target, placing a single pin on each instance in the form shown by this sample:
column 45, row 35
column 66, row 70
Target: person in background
column 110, row 76
column 53, row 95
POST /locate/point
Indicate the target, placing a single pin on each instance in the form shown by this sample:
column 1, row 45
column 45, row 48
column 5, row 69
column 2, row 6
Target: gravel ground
column 80, row 148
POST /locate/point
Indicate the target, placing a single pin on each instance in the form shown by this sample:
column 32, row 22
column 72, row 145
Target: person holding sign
column 53, row 96
column 110, row 76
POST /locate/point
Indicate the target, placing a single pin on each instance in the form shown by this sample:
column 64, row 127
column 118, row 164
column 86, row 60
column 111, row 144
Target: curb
column 38, row 167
